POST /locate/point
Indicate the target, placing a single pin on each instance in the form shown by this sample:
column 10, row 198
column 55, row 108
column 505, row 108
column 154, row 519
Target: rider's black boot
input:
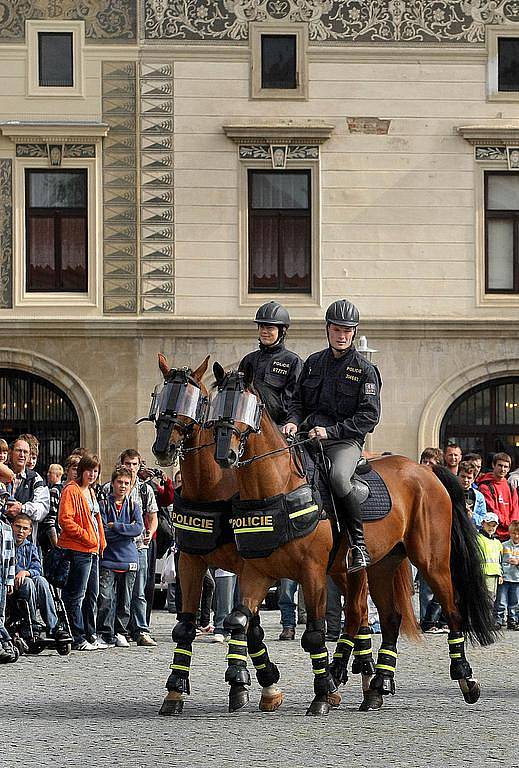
column 352, row 519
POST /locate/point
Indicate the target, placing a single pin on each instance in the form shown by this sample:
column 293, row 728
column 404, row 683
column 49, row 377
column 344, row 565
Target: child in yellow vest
column 491, row 553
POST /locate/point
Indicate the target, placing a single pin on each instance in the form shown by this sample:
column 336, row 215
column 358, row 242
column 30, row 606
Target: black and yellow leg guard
column 363, row 662
column 384, row 680
column 460, row 668
column 237, row 622
column 266, row 672
column 313, row 641
column 184, row 632
column 341, row 658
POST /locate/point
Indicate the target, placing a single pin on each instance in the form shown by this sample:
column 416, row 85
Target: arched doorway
column 485, row 419
column 29, row 403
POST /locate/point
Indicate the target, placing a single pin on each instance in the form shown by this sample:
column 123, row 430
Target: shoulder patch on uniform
column 370, row 388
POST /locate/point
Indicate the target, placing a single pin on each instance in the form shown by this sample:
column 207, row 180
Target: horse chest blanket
column 201, row 527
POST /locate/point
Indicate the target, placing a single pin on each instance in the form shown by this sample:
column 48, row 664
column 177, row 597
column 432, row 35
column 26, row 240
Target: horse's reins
column 295, row 444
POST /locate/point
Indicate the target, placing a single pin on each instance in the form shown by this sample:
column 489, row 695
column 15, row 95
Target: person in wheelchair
column 337, row 399
column 31, row 585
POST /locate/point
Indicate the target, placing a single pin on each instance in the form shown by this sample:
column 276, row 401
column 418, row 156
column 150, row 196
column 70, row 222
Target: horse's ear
column 248, row 374
column 163, row 365
column 219, row 372
column 200, row 371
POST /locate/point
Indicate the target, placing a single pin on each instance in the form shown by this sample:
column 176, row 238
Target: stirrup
column 362, row 559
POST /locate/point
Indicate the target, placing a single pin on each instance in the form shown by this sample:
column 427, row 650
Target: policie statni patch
column 370, row 388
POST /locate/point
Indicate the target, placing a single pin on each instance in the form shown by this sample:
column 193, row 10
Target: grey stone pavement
column 100, row 709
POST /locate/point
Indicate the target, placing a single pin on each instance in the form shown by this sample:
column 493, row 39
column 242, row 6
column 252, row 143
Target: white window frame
column 77, row 29
column 312, row 299
column 61, row 299
column 494, row 32
column 300, row 32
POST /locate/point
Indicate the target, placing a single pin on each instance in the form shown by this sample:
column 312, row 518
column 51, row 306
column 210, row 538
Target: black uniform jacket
column 341, row 394
column 275, row 374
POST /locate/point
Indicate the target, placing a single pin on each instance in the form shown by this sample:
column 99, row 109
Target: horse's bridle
column 176, row 398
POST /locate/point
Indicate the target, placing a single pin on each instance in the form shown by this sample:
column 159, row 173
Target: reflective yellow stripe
column 319, row 655
column 237, row 642
column 363, row 637
column 457, row 640
column 261, row 666
column 319, row 671
column 259, row 653
column 338, row 656
column 236, row 656
column 384, row 666
column 389, row 653
column 345, row 640
column 301, row 512
column 179, row 666
column 191, row 528
column 456, row 655
column 267, row 528
column 181, row 650
column 362, row 653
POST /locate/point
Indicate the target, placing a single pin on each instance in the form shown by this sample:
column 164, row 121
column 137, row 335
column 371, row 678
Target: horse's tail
column 472, row 597
column 403, row 591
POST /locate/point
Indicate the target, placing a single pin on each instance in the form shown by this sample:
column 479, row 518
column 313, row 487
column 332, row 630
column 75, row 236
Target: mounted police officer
column 275, row 368
column 338, row 399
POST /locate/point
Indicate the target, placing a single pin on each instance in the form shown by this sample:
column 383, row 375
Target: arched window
column 29, row 404
column 485, row 419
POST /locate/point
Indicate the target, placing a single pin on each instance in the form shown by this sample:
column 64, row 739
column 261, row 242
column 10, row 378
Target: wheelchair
column 29, row 637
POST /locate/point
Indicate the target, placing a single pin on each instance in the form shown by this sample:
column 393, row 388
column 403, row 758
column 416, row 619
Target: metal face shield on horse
column 179, row 403
column 230, row 406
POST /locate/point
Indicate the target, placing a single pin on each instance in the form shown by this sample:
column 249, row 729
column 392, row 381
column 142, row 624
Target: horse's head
column 177, row 408
column 234, row 412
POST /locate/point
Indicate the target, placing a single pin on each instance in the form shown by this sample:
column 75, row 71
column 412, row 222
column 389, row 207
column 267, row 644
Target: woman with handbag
column 82, row 536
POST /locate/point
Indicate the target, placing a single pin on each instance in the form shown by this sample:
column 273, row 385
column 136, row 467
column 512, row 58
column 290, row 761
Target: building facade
column 166, row 167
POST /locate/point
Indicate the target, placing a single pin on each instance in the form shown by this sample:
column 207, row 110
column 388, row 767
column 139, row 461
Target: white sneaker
column 121, row 642
column 102, row 644
column 84, row 646
column 218, row 638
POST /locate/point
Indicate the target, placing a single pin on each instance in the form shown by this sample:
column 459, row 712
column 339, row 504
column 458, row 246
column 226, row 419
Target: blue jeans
column 37, row 592
column 223, row 600
column 138, row 622
column 507, row 601
column 115, row 595
column 4, row 634
column 89, row 607
column 286, row 602
column 73, row 593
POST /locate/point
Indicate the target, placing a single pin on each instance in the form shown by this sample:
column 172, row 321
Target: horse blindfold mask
column 178, row 397
column 236, row 406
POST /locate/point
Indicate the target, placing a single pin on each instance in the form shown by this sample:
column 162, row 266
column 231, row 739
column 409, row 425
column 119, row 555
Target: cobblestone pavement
column 100, row 709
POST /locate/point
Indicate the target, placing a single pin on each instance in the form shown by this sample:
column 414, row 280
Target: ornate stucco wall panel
column 6, row 233
column 120, row 264
column 105, row 20
column 157, row 288
column 376, row 21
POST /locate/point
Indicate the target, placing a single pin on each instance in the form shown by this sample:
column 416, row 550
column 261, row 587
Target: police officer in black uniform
column 275, row 368
column 337, row 399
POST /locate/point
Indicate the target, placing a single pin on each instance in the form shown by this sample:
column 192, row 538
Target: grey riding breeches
column 343, row 458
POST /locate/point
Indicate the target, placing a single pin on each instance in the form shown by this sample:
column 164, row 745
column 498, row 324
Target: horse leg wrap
column 341, row 657
column 460, row 668
column 363, row 653
column 313, row 641
column 237, row 622
column 266, row 672
column 184, row 632
column 384, row 680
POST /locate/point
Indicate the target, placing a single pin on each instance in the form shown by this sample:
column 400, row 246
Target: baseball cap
column 490, row 517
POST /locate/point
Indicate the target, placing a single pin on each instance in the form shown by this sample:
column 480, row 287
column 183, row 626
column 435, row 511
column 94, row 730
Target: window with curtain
column 55, row 59
column 56, row 231
column 502, row 232
column 279, row 231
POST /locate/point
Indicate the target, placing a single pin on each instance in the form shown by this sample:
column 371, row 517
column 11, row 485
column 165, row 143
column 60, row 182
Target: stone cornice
column 507, row 133
column 34, row 131
column 240, row 328
column 279, row 131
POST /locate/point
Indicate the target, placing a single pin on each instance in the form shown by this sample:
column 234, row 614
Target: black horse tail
column 472, row 596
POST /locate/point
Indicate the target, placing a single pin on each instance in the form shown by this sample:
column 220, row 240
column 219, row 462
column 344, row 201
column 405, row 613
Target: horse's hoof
column 173, row 706
column 238, row 697
column 334, row 699
column 318, row 707
column 271, row 703
column 470, row 689
column 372, row 700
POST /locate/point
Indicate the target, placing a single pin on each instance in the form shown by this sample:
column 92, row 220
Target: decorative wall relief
column 120, row 267
column 6, row 233
column 157, row 288
column 489, row 153
column 451, row 21
column 105, row 20
column 268, row 152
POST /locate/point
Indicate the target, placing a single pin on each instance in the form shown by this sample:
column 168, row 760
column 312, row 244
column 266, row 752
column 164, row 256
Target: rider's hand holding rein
column 318, row 433
column 289, row 429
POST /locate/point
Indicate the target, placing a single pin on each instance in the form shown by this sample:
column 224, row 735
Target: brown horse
column 427, row 523
column 203, row 483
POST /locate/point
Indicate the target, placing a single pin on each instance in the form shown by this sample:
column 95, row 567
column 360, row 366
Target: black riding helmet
column 343, row 312
column 273, row 313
